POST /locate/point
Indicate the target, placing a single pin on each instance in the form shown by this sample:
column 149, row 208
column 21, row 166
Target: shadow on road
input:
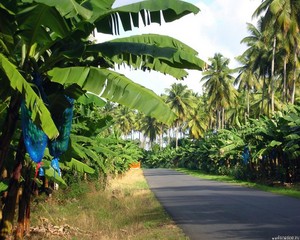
column 213, row 210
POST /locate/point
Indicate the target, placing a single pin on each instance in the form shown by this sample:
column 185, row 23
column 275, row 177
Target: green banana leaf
column 67, row 8
column 52, row 175
column 40, row 113
column 79, row 166
column 115, row 87
column 89, row 98
column 151, row 51
column 34, row 22
column 108, row 21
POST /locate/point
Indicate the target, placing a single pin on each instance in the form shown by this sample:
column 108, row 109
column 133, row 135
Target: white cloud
column 219, row 27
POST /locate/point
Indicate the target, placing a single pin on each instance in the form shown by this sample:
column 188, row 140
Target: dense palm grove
column 246, row 122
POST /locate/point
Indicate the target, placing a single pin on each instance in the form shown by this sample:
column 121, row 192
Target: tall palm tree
column 197, row 121
column 182, row 102
column 247, row 81
column 218, row 85
column 257, row 59
column 124, row 120
column 152, row 128
column 283, row 16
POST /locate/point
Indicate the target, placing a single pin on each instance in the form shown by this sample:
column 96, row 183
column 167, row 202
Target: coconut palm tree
column 182, row 102
column 218, row 85
column 124, row 120
column 152, row 128
column 257, row 58
column 284, row 17
column 197, row 121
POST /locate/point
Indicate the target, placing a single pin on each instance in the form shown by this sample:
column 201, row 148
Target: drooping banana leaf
column 115, row 87
column 89, row 98
column 79, row 166
column 40, row 114
column 150, row 51
column 52, row 175
column 108, row 21
column 159, row 41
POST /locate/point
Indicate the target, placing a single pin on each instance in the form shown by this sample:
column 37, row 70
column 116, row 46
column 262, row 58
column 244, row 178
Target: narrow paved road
column 213, row 210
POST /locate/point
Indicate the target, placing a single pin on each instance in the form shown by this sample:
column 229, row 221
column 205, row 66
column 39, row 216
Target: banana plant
column 50, row 38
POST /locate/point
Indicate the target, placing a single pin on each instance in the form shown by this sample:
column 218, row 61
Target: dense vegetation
column 51, row 68
column 245, row 123
column 264, row 149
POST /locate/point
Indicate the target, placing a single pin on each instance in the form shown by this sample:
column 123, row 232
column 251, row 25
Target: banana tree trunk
column 8, row 212
column 9, row 128
column 24, row 207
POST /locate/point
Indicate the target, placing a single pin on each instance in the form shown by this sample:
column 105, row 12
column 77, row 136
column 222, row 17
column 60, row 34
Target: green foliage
column 117, row 88
column 105, row 153
column 273, row 150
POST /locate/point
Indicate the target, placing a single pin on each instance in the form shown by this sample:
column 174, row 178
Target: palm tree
column 218, row 84
column 151, row 128
column 247, row 81
column 182, row 102
column 52, row 40
column 257, row 58
column 124, row 120
column 284, row 17
column 197, row 121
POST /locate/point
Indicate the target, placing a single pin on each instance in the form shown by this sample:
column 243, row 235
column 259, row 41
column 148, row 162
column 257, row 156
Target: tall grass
column 127, row 209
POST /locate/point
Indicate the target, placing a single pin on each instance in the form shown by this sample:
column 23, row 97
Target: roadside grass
column 127, row 209
column 291, row 191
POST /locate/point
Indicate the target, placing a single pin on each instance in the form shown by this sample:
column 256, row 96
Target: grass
column 291, row 191
column 127, row 209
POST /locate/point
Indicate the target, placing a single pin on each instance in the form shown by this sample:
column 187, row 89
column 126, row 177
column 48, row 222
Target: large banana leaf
column 36, row 22
column 115, row 87
column 151, row 51
column 108, row 21
column 67, row 8
column 158, row 40
column 34, row 103
column 185, row 57
column 79, row 166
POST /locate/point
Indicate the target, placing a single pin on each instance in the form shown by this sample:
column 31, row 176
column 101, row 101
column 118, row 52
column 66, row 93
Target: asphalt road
column 212, row 210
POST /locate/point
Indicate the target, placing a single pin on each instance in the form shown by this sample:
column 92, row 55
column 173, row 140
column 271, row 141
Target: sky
column 217, row 28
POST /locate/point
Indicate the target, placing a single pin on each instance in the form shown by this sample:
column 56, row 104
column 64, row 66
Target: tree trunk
column 219, row 118
column 263, row 96
column 223, row 117
column 176, row 134
column 294, row 77
column 8, row 211
column 9, row 128
column 24, row 207
column 284, row 92
column 272, row 76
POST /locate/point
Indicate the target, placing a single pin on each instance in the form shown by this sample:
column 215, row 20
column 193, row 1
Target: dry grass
column 126, row 210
